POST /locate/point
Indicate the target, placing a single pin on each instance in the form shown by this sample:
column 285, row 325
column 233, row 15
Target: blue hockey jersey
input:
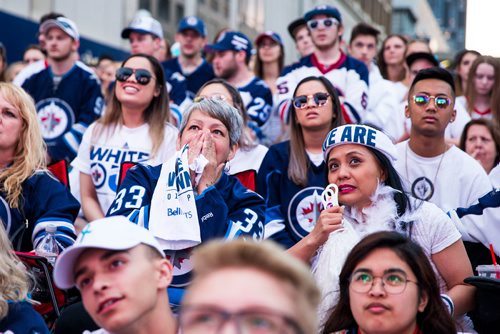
column 66, row 110
column 194, row 80
column 226, row 210
column 291, row 210
column 348, row 75
column 45, row 201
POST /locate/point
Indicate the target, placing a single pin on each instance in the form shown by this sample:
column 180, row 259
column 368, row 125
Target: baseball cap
column 296, row 24
column 271, row 34
column 143, row 25
column 360, row 135
column 232, row 40
column 323, row 10
column 193, row 23
column 421, row 55
column 63, row 23
column 111, row 233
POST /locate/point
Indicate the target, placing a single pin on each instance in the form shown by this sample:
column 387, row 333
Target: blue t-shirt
column 23, row 319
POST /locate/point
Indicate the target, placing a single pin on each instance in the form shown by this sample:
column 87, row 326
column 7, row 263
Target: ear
column 232, row 151
column 241, row 56
column 407, row 111
column 424, row 299
column 453, row 115
column 165, row 273
column 76, row 45
column 341, row 29
column 157, row 91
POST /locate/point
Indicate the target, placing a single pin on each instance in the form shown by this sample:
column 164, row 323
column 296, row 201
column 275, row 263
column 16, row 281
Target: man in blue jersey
column 67, row 93
column 348, row 75
column 232, row 55
column 190, row 65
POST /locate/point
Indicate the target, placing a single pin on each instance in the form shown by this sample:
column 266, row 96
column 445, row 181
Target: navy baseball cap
column 296, row 24
column 271, row 34
column 193, row 23
column 232, row 40
column 323, row 10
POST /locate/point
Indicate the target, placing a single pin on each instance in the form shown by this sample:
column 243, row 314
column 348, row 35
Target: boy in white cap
column 145, row 35
column 122, row 275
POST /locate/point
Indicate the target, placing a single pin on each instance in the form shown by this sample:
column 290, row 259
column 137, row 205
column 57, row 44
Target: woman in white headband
column 359, row 161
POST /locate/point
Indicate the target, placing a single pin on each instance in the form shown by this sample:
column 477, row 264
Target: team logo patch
column 422, row 188
column 55, row 116
column 181, row 261
column 5, row 214
column 304, row 210
column 98, row 174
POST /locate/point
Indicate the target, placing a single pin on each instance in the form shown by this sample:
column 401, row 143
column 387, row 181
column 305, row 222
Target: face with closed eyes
column 357, row 173
column 11, row 124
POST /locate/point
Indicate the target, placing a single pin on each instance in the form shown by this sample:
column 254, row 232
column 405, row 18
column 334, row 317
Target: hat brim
column 412, row 58
column 46, row 26
column 126, row 32
column 262, row 36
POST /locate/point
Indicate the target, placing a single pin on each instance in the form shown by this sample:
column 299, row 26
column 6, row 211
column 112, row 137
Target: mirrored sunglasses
column 320, row 99
column 423, row 100
column 142, row 76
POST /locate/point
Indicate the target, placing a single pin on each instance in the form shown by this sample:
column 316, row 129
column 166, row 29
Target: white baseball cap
column 112, row 233
column 360, row 135
column 143, row 25
column 63, row 23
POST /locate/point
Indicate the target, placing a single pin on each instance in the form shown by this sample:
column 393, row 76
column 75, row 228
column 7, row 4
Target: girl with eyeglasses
column 134, row 128
column 293, row 173
column 387, row 285
column 360, row 163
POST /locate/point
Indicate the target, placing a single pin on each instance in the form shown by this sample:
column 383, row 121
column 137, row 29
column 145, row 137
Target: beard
column 227, row 73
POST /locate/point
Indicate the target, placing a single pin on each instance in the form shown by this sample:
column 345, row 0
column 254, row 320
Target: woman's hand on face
column 213, row 169
column 329, row 221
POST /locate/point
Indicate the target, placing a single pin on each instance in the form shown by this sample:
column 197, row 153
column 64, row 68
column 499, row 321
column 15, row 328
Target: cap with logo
column 270, row 34
column 231, row 40
column 323, row 10
column 193, row 23
column 359, row 135
column 63, row 23
column 111, row 233
column 144, row 25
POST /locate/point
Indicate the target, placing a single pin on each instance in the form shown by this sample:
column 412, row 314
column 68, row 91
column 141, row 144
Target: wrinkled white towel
column 173, row 216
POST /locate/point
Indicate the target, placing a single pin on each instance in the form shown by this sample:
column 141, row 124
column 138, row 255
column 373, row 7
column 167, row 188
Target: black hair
column 50, row 16
column 364, row 29
column 434, row 73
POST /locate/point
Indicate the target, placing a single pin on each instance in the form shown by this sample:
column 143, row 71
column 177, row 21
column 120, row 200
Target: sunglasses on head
column 327, row 23
column 320, row 99
column 423, row 100
column 143, row 77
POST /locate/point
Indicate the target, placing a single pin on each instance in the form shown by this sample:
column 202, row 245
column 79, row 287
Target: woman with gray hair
column 189, row 200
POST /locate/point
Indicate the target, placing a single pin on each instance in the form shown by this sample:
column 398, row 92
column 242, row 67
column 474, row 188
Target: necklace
column 439, row 165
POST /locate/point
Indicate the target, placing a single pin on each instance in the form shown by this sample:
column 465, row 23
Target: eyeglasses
column 423, row 100
column 320, row 99
column 215, row 97
column 326, row 23
column 142, row 76
column 393, row 282
column 209, row 319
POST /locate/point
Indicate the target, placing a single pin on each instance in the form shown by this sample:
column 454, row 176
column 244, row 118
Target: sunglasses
column 423, row 100
column 320, row 99
column 143, row 77
column 327, row 23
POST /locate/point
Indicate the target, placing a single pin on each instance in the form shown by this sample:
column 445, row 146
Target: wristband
column 448, row 302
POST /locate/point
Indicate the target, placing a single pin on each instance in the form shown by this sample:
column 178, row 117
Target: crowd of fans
column 229, row 143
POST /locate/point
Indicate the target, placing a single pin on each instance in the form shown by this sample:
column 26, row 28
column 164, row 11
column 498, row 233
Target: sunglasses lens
column 421, row 100
column 143, row 77
column 320, row 98
column 300, row 102
column 123, row 73
column 327, row 22
column 313, row 24
column 442, row 102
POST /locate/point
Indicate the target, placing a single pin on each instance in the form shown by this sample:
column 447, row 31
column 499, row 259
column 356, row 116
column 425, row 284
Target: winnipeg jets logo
column 98, row 174
column 304, row 210
column 55, row 116
column 422, row 188
column 181, row 261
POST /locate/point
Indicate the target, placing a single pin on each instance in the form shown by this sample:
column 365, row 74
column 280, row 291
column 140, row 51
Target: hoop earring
column 226, row 168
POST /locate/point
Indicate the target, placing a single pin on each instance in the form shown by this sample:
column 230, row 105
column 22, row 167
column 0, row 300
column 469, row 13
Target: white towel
column 173, row 215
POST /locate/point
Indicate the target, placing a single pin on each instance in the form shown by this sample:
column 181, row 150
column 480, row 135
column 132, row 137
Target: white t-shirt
column 245, row 160
column 458, row 182
column 495, row 176
column 101, row 157
column 462, row 101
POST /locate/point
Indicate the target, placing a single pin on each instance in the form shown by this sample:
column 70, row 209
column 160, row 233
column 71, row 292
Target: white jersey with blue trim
column 65, row 109
column 225, row 210
column 44, row 201
column 348, row 75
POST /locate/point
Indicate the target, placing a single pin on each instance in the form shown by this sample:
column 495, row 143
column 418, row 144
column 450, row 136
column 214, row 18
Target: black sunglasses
column 143, row 77
column 320, row 99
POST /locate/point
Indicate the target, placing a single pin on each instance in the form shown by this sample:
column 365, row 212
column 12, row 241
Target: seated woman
column 359, row 162
column 250, row 153
column 404, row 300
column 30, row 197
column 293, row 173
column 134, row 128
column 189, row 199
column 16, row 314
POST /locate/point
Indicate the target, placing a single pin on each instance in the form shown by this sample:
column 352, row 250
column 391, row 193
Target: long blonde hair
column 30, row 152
column 14, row 279
column 157, row 114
